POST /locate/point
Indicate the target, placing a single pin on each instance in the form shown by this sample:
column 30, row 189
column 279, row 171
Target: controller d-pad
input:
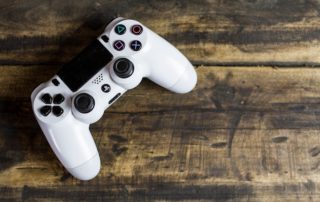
column 57, row 111
column 120, row 29
column 119, row 45
column 45, row 110
column 135, row 45
column 49, row 101
column 46, row 98
column 58, row 99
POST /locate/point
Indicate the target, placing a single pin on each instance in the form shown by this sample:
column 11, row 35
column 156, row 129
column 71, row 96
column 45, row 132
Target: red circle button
column 136, row 29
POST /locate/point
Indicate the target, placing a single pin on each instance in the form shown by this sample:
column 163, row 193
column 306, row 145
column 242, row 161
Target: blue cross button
column 120, row 29
column 136, row 45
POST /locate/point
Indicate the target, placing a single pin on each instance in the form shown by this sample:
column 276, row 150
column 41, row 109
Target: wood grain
column 244, row 134
column 216, row 32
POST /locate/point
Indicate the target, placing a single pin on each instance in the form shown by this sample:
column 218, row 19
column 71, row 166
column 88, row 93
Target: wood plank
column 242, row 134
column 277, row 33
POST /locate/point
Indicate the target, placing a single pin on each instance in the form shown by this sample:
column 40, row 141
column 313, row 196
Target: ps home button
column 105, row 88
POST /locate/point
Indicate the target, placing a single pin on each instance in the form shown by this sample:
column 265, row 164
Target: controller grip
column 169, row 68
column 74, row 146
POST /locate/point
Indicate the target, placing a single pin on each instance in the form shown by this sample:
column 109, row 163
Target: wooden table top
column 250, row 131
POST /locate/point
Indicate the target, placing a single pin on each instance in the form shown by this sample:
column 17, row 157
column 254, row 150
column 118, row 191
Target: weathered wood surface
column 216, row 32
column 244, row 134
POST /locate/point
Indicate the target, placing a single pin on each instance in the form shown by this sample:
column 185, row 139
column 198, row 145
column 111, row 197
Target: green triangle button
column 120, row 29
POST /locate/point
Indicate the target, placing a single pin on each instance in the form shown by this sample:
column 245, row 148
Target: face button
column 136, row 29
column 105, row 88
column 84, row 103
column 57, row 111
column 120, row 29
column 55, row 82
column 45, row 110
column 135, row 45
column 123, row 68
column 119, row 45
column 58, row 99
column 46, row 98
column 105, row 38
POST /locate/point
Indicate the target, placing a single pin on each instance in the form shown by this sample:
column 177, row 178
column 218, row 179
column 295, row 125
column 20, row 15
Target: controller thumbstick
column 84, row 103
column 123, row 68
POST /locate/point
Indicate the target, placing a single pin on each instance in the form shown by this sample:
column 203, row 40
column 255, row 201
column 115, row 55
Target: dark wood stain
column 183, row 150
column 245, row 38
column 219, row 145
column 249, row 177
column 10, row 158
column 268, row 12
column 264, row 162
column 293, row 121
column 233, row 124
column 65, row 176
column 315, row 166
column 224, row 94
column 118, row 149
column 315, row 151
column 200, row 137
column 118, row 138
column 165, row 191
column 163, row 158
column 310, row 185
column 280, row 139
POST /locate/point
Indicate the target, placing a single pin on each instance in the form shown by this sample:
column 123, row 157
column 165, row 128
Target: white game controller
column 77, row 96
